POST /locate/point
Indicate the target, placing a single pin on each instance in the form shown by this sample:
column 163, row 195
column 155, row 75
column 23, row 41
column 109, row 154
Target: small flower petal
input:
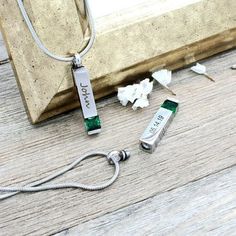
column 141, row 103
column 163, row 77
column 147, row 86
column 199, row 69
column 122, row 96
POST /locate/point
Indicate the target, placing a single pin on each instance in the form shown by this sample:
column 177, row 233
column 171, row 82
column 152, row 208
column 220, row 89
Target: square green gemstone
column 92, row 124
column 170, row 105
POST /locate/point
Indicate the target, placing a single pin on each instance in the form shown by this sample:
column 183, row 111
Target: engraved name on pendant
column 85, row 91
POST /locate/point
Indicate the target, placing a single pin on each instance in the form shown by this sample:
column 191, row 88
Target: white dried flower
column 137, row 93
column 122, row 96
column 141, row 103
column 164, row 78
column 201, row 70
column 146, row 86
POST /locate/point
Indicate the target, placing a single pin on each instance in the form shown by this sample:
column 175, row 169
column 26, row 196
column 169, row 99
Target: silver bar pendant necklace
column 85, row 92
column 80, row 73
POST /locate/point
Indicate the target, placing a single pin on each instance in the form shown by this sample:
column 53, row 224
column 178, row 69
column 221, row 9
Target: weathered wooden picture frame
column 129, row 45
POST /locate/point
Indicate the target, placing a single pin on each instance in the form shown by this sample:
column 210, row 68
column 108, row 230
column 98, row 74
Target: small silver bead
column 124, row 155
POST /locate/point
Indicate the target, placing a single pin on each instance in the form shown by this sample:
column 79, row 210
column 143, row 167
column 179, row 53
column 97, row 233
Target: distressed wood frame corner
column 125, row 49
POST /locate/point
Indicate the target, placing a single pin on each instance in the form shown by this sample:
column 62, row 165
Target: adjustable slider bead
column 118, row 156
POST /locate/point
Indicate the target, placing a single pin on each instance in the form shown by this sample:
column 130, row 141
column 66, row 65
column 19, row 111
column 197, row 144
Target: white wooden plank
column 205, row 207
column 200, row 141
column 119, row 12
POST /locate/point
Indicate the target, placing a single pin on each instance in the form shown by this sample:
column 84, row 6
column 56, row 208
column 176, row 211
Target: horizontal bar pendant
column 158, row 125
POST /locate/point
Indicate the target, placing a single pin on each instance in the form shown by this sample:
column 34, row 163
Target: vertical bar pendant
column 91, row 119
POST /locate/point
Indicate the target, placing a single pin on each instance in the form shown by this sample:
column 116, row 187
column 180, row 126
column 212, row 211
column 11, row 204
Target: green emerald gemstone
column 170, row 105
column 92, row 124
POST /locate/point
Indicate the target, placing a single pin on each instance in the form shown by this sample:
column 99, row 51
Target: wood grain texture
column 204, row 207
column 35, row 71
column 169, row 36
column 200, row 141
column 3, row 51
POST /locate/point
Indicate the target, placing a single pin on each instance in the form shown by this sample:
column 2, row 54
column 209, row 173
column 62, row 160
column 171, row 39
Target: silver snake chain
column 45, row 50
column 113, row 157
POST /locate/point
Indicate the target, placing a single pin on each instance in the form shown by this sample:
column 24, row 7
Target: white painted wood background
column 106, row 7
column 187, row 187
column 120, row 12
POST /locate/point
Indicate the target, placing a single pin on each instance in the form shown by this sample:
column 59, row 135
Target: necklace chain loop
column 42, row 46
column 113, row 158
